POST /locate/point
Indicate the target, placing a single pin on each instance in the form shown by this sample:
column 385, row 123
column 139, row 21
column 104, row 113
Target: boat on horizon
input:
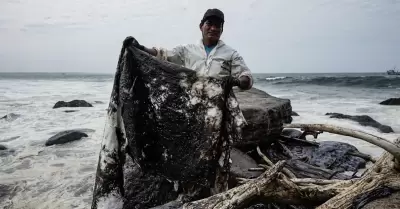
column 393, row 71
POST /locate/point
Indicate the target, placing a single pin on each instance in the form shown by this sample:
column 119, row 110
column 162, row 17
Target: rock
column 2, row 147
column 73, row 103
column 391, row 101
column 334, row 155
column 240, row 165
column 98, row 102
column 68, row 111
column 65, row 136
column 295, row 113
column 304, row 170
column 265, row 114
column 10, row 117
column 364, row 120
column 330, row 155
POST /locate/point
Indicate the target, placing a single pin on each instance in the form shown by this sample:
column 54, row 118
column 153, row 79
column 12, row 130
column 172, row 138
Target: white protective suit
column 194, row 56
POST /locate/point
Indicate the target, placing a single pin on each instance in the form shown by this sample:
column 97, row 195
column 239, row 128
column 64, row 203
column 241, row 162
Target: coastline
column 41, row 174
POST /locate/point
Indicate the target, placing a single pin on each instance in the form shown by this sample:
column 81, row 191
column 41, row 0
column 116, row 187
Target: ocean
column 62, row 176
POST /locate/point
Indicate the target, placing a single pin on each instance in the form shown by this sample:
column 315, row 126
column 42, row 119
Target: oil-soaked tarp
column 172, row 123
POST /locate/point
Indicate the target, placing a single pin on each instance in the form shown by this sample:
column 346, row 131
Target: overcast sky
column 274, row 36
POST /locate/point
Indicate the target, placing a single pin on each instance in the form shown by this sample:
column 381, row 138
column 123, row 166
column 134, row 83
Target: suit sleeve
column 174, row 55
column 239, row 68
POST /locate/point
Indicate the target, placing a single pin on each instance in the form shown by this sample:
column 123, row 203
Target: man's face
column 212, row 29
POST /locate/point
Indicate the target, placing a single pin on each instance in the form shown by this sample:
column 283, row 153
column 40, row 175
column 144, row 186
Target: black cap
column 213, row 13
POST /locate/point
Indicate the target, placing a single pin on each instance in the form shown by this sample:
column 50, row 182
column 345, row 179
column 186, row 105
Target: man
column 210, row 57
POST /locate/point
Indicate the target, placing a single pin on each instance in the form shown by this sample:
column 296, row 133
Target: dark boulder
column 66, row 136
column 2, row 147
column 295, row 113
column 336, row 156
column 305, row 170
column 332, row 155
column 241, row 163
column 73, row 103
column 364, row 120
column 391, row 101
column 265, row 114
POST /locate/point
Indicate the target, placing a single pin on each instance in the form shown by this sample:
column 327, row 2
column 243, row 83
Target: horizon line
column 112, row 73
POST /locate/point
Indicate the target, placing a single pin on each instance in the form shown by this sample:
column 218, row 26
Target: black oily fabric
column 174, row 125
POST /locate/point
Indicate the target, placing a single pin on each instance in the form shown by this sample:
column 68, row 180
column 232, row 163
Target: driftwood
column 384, row 174
column 273, row 186
column 380, row 181
column 392, row 148
column 238, row 196
column 381, row 175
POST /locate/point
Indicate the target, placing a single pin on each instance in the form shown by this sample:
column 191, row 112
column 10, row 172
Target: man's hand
column 130, row 41
column 243, row 82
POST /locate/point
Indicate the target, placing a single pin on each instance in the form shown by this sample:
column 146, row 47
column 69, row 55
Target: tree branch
column 270, row 163
column 238, row 196
column 392, row 148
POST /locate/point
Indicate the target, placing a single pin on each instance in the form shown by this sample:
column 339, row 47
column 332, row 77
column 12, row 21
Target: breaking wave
column 275, row 78
column 392, row 82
